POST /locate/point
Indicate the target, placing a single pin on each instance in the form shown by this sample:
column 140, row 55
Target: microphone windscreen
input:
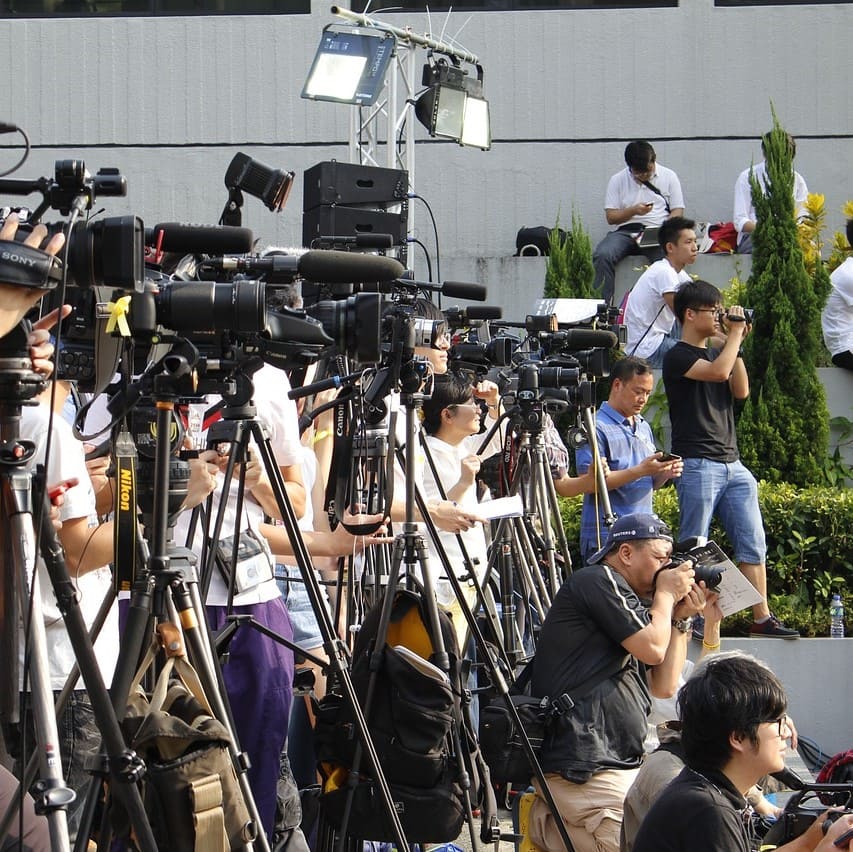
column 374, row 241
column 484, row 312
column 462, row 290
column 201, row 239
column 590, row 338
column 343, row 267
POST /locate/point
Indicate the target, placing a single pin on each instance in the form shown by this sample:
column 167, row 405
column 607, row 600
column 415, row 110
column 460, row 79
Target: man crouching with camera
column 616, row 632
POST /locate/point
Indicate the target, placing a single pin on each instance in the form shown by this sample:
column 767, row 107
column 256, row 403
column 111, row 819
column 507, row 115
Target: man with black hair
column 734, row 729
column 606, row 649
column 744, row 211
column 701, row 386
column 643, row 195
column 649, row 319
column 627, row 446
column 837, row 317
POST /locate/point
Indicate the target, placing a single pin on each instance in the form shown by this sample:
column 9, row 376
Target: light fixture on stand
column 350, row 64
column 453, row 106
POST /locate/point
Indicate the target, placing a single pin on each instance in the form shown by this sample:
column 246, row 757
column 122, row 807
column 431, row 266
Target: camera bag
column 500, row 738
column 191, row 791
column 414, row 713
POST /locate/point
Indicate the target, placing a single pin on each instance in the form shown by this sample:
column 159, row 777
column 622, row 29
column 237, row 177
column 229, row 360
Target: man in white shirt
column 744, row 212
column 642, row 195
column 649, row 318
column 837, row 317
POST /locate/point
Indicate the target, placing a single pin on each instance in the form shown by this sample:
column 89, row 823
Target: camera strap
column 125, row 526
column 25, row 266
column 649, row 185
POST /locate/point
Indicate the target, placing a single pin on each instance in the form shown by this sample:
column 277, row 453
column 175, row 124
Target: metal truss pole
column 396, row 109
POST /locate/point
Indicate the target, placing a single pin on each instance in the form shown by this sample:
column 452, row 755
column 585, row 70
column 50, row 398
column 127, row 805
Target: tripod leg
column 54, row 796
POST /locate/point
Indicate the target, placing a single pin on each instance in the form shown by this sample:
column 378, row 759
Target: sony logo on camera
column 14, row 257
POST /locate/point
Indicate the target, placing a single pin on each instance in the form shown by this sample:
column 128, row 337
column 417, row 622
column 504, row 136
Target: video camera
column 99, row 251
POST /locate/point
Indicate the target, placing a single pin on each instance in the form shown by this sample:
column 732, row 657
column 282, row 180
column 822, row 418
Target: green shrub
column 809, row 550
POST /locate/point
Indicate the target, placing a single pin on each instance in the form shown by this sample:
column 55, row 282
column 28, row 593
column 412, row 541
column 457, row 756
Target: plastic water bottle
column 836, row 618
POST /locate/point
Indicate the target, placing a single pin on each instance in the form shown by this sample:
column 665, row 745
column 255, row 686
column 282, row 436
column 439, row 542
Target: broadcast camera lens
column 108, row 252
column 353, row 323
column 559, row 377
column 238, row 306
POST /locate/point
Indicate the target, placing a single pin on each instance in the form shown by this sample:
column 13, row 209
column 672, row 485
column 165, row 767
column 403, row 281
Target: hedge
column 809, row 550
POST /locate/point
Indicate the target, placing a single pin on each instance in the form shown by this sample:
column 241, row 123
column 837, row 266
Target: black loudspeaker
column 331, row 182
column 331, row 220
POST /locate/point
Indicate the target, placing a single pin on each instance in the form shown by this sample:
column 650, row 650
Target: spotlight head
column 272, row 186
column 350, row 64
column 453, row 106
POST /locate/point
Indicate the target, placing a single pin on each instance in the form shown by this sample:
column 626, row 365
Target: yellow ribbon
column 118, row 316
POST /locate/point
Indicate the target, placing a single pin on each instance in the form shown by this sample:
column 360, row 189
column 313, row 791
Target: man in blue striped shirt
column 626, row 443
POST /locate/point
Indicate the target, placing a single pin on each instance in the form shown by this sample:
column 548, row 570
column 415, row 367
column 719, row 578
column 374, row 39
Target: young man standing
column 649, row 316
column 733, row 731
column 701, row 386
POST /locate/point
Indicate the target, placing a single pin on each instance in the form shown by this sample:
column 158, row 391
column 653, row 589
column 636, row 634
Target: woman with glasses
column 452, row 458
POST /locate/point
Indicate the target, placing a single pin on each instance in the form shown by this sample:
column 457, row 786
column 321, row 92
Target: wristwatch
column 683, row 625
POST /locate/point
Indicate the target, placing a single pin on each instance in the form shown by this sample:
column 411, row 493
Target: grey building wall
column 169, row 101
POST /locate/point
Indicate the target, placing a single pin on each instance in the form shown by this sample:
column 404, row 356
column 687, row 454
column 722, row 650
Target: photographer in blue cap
column 616, row 632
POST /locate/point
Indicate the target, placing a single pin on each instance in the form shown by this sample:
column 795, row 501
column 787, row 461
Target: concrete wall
column 169, row 101
column 814, row 673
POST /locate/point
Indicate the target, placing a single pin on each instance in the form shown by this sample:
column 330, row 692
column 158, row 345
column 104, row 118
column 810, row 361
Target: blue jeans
column 615, row 246
column 728, row 490
column 79, row 741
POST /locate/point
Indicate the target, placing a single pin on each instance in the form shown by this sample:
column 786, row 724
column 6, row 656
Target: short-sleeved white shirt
column 646, row 308
column 623, row 191
column 67, row 461
column 278, row 414
column 837, row 316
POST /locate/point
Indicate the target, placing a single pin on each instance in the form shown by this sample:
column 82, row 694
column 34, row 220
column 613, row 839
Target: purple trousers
column 259, row 682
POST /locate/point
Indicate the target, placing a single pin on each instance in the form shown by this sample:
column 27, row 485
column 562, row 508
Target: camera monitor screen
column 350, row 64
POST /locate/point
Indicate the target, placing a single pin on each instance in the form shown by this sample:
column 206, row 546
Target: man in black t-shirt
column 701, row 386
column 733, row 731
column 595, row 646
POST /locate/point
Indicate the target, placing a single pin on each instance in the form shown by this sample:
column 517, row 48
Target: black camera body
column 712, row 575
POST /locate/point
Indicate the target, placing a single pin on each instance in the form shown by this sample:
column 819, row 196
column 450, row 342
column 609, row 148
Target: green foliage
column 809, row 550
column 568, row 270
column 784, row 426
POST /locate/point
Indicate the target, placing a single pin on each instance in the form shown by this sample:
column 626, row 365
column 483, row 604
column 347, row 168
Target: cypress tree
column 784, row 426
column 569, row 272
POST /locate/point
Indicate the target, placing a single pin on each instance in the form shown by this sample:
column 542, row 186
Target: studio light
column 453, row 106
column 272, row 186
column 349, row 65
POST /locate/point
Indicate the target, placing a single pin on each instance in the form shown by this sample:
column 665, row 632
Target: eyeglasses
column 783, row 729
column 471, row 406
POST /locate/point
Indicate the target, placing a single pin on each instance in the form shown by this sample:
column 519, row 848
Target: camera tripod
column 524, row 558
column 23, row 499
column 238, row 426
column 494, row 659
column 165, row 592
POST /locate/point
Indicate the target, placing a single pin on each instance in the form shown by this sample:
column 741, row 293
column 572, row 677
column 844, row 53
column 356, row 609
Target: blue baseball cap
column 632, row 528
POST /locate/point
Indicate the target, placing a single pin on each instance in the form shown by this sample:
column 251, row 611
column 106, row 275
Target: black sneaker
column 772, row 629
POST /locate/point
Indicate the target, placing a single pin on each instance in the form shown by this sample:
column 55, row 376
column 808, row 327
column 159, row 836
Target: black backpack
column 414, row 708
